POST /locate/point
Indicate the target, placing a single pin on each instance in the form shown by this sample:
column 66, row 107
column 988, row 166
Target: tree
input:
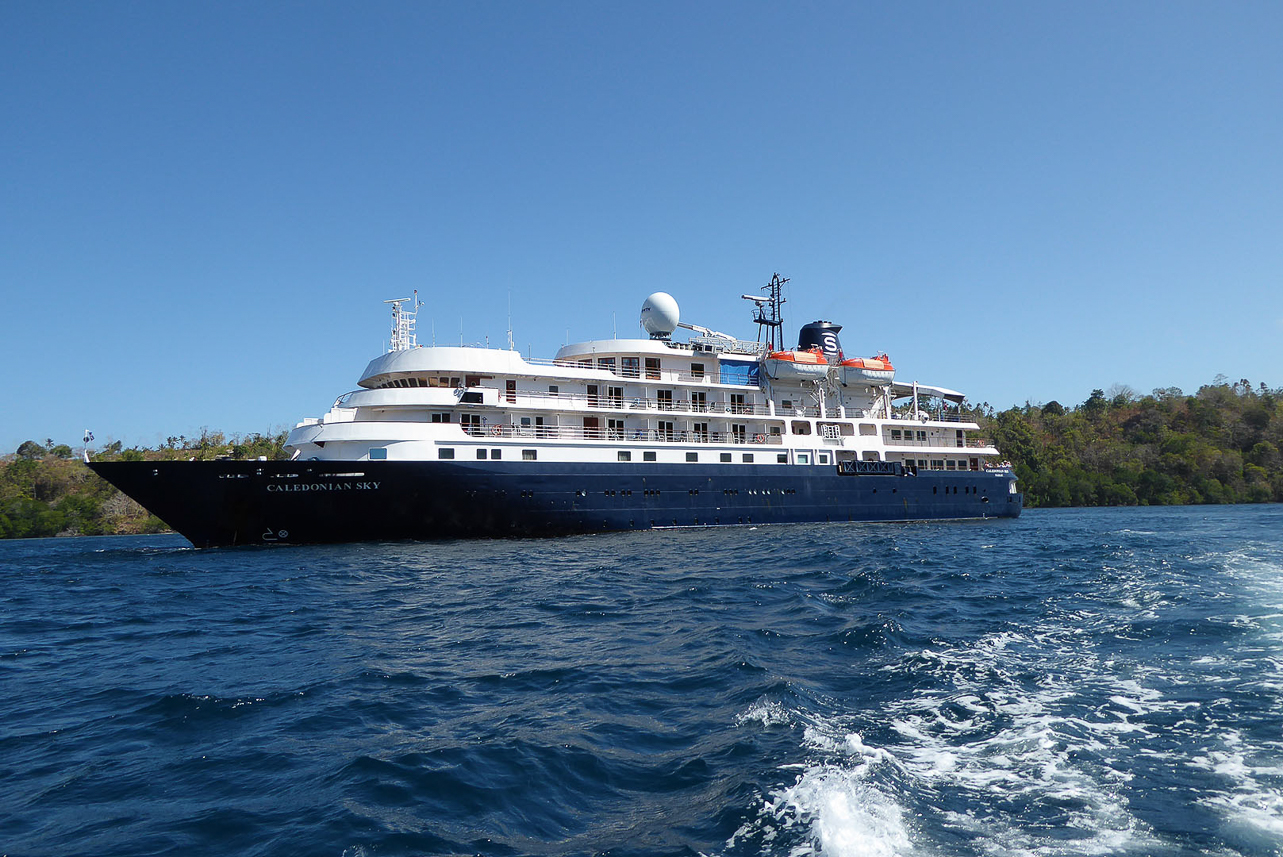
column 29, row 450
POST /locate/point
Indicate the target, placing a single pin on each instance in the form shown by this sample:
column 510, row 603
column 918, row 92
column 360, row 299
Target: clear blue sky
column 202, row 205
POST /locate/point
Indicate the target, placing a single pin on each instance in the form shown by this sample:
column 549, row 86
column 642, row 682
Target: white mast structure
column 403, row 320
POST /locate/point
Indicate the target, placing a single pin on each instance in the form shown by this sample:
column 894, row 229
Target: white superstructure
column 707, row 399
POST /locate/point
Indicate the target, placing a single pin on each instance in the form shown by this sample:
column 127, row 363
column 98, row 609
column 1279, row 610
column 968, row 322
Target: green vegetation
column 1220, row 445
column 45, row 491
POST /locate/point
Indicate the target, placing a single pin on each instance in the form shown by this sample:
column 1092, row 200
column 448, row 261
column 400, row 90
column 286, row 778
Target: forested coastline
column 1218, row 445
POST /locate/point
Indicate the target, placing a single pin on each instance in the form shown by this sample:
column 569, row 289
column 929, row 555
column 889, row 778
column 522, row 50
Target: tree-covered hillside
column 1220, row 445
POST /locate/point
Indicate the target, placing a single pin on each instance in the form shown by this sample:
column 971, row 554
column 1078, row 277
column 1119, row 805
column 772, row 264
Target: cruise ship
column 648, row 432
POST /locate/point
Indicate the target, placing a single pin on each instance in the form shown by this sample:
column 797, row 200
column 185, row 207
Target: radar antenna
column 767, row 314
column 403, row 320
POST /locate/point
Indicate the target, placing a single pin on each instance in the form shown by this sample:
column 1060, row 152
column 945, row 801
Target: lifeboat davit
column 807, row 365
column 867, row 370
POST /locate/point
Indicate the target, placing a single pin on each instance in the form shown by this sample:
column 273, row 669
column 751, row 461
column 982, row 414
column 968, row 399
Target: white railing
column 661, row 375
column 606, row 402
column 639, row 435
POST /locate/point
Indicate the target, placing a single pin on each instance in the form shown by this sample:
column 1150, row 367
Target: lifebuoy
column 759, row 438
column 496, row 430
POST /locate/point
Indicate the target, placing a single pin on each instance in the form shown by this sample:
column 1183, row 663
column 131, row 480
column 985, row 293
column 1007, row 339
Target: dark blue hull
column 218, row 503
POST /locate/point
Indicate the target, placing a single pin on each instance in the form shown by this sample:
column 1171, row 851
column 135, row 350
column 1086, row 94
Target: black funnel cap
column 822, row 335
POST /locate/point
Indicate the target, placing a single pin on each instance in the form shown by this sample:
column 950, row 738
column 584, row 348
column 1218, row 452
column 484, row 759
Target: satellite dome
column 659, row 315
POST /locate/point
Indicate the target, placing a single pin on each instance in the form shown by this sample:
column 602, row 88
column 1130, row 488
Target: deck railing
column 621, row 435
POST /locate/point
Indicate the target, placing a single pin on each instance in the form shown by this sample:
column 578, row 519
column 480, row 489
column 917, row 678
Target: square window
column 823, row 458
column 748, row 458
column 496, row 454
column 692, row 456
column 726, row 457
column 803, row 458
column 529, row 454
column 445, row 452
column 782, row 458
column 481, row 454
column 378, row 453
column 624, row 455
column 648, row 456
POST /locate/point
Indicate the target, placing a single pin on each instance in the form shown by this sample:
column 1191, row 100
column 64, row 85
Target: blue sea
column 1074, row 682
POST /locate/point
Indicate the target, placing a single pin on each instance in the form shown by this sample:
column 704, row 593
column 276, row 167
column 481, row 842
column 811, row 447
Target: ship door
column 592, row 428
column 592, row 395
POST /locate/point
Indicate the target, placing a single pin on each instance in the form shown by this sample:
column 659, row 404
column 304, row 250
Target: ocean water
column 1075, row 682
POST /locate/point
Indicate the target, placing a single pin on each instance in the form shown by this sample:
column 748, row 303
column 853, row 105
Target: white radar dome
column 659, row 315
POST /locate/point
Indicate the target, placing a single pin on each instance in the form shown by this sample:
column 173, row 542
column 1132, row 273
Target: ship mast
column 403, row 320
column 768, row 315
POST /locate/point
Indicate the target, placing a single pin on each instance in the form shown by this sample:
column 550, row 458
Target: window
column 800, row 427
column 607, row 363
column 441, row 418
column 481, row 454
column 624, row 455
column 739, row 433
column 553, row 390
column 803, row 458
column 700, row 430
column 378, row 453
column 445, row 452
column 949, row 464
column 822, row 458
column 737, row 404
column 726, row 457
column 895, row 434
column 748, row 458
column 529, row 454
column 652, row 368
column 922, row 435
column 496, row 454
column 614, row 397
column 664, row 398
column 629, row 365
column 648, row 456
column 697, row 371
column 786, row 404
column 782, row 458
column 692, row 456
column 615, row 429
column 937, row 464
column 699, row 402
column 471, row 423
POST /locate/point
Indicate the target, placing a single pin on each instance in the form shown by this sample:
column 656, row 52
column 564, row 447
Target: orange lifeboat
column 867, row 370
column 807, row 365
